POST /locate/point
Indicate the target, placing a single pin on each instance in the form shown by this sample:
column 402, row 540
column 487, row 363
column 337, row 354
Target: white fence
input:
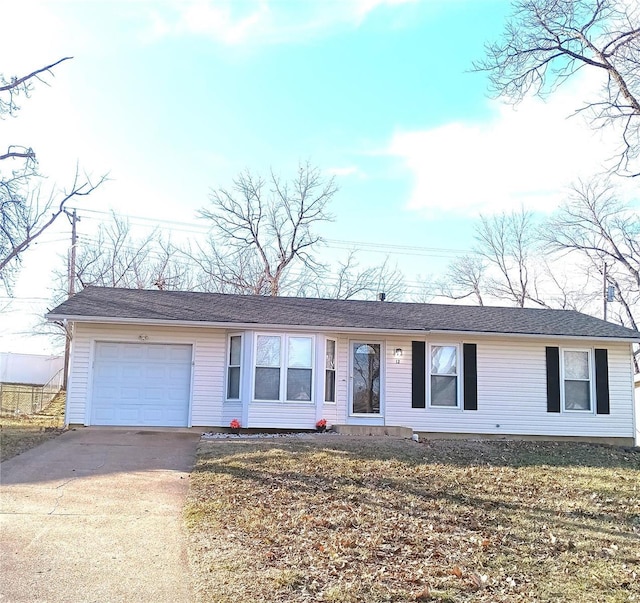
column 28, row 399
column 30, row 369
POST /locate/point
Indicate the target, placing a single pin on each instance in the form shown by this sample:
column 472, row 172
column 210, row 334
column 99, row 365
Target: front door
column 366, row 404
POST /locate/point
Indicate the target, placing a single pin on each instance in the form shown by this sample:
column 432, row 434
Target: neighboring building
column 168, row 358
column 29, row 369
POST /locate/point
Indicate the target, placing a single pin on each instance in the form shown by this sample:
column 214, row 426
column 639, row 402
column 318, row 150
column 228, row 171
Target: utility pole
column 605, row 293
column 71, row 289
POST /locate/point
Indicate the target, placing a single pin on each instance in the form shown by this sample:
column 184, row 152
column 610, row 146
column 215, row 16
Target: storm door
column 366, row 367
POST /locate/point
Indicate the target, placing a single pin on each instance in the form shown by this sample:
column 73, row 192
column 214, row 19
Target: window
column 299, row 357
column 267, row 381
column 330, row 371
column 577, row 379
column 233, row 367
column 443, row 371
column 295, row 355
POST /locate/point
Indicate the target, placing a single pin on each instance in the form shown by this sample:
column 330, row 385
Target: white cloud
column 31, row 36
column 527, row 155
column 259, row 21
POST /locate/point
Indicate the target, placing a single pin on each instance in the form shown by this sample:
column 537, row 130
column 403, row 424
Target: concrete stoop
column 371, row 430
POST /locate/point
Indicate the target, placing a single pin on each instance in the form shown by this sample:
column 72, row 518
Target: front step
column 374, row 430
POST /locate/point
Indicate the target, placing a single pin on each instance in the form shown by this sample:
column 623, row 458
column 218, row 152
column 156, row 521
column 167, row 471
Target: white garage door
column 141, row 384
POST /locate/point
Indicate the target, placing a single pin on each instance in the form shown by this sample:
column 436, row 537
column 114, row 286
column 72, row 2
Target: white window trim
column 591, row 410
column 284, row 351
column 459, row 371
column 229, row 365
column 335, row 372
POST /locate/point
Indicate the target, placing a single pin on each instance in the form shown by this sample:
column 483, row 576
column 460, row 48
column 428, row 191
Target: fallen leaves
column 385, row 520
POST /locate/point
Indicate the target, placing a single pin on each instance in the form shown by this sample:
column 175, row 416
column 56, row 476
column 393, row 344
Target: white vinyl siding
column 208, row 378
column 512, row 392
column 511, row 384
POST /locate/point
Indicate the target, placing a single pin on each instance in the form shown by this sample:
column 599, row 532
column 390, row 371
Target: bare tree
column 510, row 264
column 601, row 230
column 464, row 278
column 546, row 42
column 115, row 258
column 347, row 279
column 216, row 273
column 24, row 215
column 507, row 242
column 425, row 289
column 351, row 281
column 261, row 228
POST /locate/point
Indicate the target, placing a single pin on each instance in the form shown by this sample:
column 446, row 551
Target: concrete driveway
column 95, row 515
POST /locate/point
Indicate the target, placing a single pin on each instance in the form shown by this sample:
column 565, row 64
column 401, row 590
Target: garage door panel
column 130, row 394
column 175, row 393
column 180, row 354
column 132, row 351
column 104, row 416
column 154, row 393
column 160, row 371
column 108, row 351
column 106, row 371
column 158, row 353
column 141, row 384
column 105, row 391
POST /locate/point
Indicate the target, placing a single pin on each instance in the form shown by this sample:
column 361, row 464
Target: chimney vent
column 382, row 296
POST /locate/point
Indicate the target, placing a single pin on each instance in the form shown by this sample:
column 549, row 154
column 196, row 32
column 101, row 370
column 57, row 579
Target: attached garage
column 141, row 384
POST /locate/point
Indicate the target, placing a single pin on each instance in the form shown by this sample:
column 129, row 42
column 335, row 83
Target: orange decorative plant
column 235, row 424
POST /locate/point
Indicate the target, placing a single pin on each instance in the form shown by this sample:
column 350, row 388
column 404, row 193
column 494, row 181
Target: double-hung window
column 299, row 371
column 330, row 371
column 577, row 379
column 444, row 376
column 268, row 361
column 234, row 361
column 283, row 368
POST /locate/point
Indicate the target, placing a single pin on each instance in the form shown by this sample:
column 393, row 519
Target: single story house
column 175, row 358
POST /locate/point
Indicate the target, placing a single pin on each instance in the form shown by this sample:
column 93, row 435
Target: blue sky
column 174, row 98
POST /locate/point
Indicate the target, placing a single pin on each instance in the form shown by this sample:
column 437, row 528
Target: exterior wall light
column 398, row 355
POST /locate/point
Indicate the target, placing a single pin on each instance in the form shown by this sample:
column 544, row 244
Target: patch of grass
column 378, row 519
column 19, row 433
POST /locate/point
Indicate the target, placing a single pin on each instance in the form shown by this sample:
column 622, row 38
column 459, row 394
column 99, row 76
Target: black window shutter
column 470, row 382
column 553, row 379
column 418, row 381
column 602, row 382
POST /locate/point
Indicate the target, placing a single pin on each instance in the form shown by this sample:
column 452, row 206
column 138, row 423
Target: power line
column 193, row 227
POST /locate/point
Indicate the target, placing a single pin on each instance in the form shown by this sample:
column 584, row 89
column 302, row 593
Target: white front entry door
column 140, row 384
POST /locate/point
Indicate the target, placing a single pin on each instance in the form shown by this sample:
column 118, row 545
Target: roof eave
column 226, row 325
column 535, row 335
column 320, row 328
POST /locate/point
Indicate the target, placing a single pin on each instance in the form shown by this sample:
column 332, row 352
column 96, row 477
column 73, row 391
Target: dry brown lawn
column 339, row 519
column 19, row 433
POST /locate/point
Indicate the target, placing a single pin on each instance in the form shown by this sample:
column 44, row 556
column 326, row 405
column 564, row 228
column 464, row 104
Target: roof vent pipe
column 382, row 296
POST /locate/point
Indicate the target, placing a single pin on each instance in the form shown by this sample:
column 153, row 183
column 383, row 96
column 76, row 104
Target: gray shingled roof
column 190, row 307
